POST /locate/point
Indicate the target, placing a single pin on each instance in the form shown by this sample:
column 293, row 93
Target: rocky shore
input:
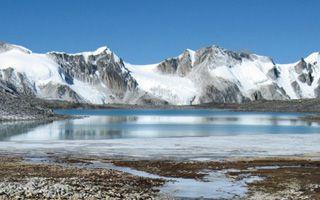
column 281, row 178
column 14, row 107
column 299, row 106
column 20, row 180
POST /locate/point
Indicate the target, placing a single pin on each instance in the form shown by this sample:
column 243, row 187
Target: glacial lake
column 193, row 134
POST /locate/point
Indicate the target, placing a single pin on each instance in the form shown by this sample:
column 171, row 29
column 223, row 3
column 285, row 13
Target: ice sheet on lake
column 214, row 147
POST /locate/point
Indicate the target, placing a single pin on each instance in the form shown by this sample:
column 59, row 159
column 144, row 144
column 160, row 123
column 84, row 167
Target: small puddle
column 216, row 185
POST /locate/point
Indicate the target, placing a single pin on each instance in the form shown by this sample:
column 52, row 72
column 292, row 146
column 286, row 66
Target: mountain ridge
column 209, row 74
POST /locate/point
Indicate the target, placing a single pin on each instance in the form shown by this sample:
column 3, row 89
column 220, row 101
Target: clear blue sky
column 147, row 31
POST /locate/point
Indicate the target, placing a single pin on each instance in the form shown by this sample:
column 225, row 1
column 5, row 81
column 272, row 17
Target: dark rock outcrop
column 273, row 73
column 229, row 93
column 103, row 67
column 62, row 92
column 16, row 82
column 181, row 65
column 18, row 107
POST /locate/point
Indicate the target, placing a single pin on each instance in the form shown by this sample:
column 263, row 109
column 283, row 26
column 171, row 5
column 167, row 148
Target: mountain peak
column 7, row 47
column 314, row 57
column 101, row 49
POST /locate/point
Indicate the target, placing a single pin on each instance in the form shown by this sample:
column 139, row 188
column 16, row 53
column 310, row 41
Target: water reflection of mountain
column 94, row 128
column 155, row 126
column 9, row 129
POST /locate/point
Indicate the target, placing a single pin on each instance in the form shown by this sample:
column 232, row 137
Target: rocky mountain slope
column 210, row 74
column 214, row 74
column 14, row 106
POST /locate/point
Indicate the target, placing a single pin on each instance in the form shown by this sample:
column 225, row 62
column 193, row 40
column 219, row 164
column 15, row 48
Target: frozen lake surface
column 177, row 134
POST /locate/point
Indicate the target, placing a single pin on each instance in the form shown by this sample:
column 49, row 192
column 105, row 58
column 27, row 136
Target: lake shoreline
column 309, row 106
column 298, row 106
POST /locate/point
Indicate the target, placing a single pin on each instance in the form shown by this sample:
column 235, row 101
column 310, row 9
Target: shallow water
column 196, row 134
column 216, row 184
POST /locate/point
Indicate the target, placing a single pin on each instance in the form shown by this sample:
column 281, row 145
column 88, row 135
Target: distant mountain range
column 210, row 74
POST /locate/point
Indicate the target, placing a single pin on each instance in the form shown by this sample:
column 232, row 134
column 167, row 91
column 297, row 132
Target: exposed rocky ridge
column 102, row 67
column 219, row 75
column 97, row 77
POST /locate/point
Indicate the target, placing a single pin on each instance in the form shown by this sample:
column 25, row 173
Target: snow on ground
column 39, row 68
column 98, row 51
column 214, row 147
column 97, row 94
column 288, row 75
column 248, row 75
column 172, row 88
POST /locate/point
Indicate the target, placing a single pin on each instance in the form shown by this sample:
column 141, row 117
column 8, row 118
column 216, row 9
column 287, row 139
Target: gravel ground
column 20, row 180
column 282, row 178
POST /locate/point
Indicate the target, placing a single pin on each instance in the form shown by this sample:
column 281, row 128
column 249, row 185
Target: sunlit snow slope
column 214, row 74
column 94, row 77
column 210, row 74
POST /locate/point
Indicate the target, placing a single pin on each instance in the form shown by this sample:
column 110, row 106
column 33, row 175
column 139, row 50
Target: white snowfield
column 250, row 74
column 41, row 69
column 172, row 88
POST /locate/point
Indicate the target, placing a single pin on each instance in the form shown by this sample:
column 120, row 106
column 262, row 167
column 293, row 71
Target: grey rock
column 61, row 92
column 273, row 73
column 185, row 64
column 296, row 88
column 300, row 66
column 229, row 94
column 16, row 82
column 181, row 65
column 273, row 92
column 257, row 96
column 100, row 68
column 169, row 66
column 306, row 78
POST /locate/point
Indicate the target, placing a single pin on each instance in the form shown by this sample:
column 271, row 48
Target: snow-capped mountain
column 210, row 74
column 95, row 77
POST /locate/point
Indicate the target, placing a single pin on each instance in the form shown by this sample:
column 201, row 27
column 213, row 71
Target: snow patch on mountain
column 38, row 68
column 172, row 88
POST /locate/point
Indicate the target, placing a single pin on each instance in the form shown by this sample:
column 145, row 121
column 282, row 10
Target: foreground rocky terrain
column 283, row 178
column 280, row 178
column 19, row 180
column 16, row 107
